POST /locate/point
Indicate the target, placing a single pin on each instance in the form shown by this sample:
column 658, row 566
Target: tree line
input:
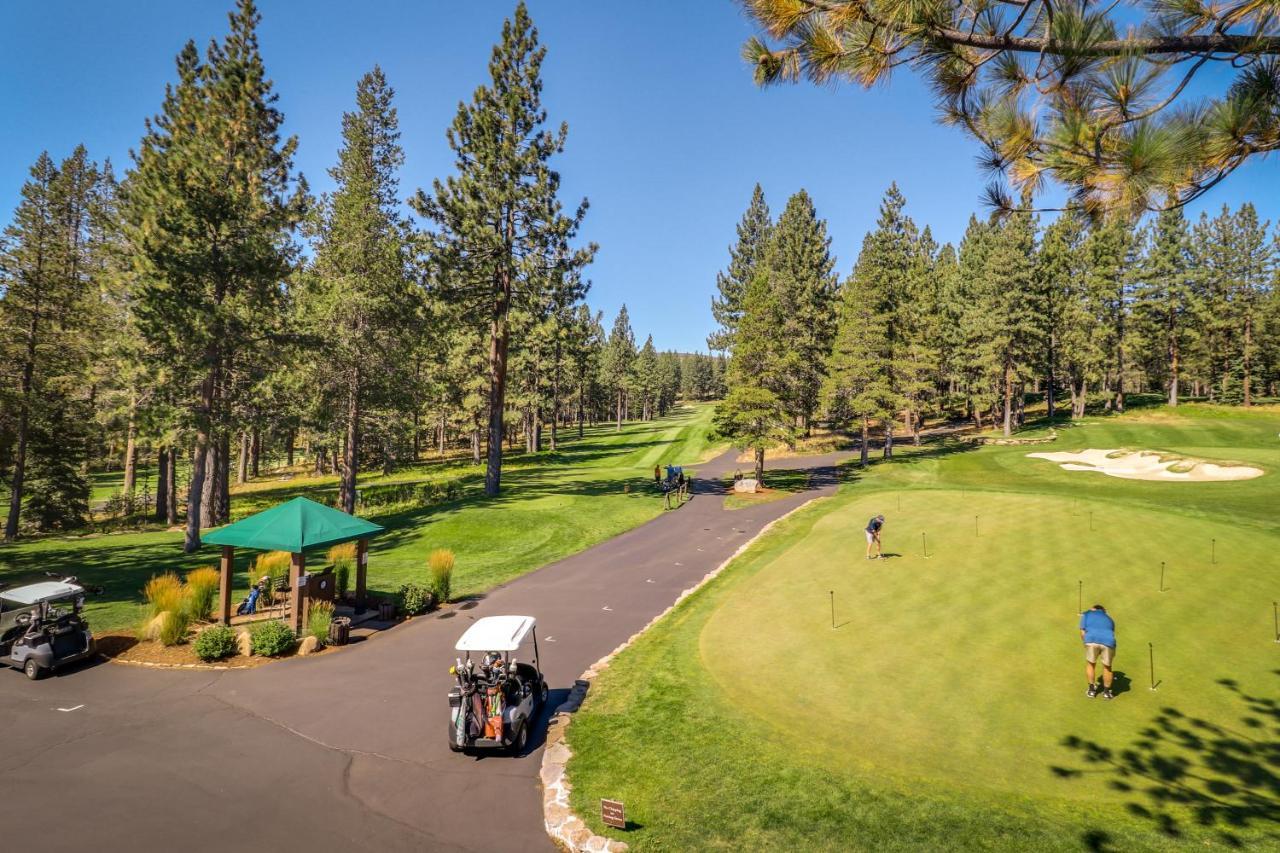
column 208, row 310
column 1080, row 311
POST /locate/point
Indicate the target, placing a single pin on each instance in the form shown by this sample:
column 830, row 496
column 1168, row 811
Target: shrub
column 173, row 630
column 215, row 643
column 271, row 638
column 441, row 561
column 202, row 586
column 319, row 617
column 275, row 565
column 343, row 558
column 415, row 599
column 163, row 593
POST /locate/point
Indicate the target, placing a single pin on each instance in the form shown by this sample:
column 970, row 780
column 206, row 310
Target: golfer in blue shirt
column 1098, row 630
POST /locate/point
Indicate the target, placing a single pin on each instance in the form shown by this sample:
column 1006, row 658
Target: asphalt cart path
column 348, row 750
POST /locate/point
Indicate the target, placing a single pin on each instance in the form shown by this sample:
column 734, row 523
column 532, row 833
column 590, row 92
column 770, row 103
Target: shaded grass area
column 946, row 710
column 553, row 505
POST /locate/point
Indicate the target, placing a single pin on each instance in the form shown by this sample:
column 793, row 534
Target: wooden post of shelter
column 362, row 562
column 297, row 568
column 224, row 585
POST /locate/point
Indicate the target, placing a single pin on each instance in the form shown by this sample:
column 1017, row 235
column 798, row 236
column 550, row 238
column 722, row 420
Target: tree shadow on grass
column 1190, row 776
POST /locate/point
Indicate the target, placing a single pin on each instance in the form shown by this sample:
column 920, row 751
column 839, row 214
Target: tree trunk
column 209, row 485
column 1248, row 360
column 242, row 467
column 1051, row 370
column 1173, row 368
column 162, row 483
column 223, row 514
column 582, row 409
column 440, row 436
column 619, row 427
column 865, row 438
column 1008, row 399
column 131, row 449
column 888, row 438
column 171, row 502
column 760, row 465
column 351, row 451
column 475, row 446
column 255, row 451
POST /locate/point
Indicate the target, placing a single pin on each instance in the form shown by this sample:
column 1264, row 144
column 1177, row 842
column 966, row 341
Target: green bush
column 416, row 599
column 173, row 630
column 202, row 588
column 319, row 617
column 215, row 643
column 441, row 562
column 271, row 638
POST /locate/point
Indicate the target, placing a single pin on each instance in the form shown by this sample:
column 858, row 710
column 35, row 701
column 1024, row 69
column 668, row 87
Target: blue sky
column 667, row 133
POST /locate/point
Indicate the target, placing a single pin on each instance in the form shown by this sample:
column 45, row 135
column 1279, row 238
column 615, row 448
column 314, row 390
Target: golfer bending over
column 1098, row 630
column 873, row 537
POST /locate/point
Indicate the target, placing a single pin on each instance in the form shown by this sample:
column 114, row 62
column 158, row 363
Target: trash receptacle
column 387, row 611
column 339, row 630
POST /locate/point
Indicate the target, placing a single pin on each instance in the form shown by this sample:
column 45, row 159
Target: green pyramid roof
column 294, row 526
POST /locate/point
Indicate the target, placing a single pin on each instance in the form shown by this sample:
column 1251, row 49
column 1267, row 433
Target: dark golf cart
column 497, row 699
column 41, row 628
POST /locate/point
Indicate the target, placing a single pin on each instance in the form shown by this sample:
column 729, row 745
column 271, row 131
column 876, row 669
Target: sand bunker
column 1148, row 465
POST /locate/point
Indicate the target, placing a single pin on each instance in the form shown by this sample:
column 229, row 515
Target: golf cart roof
column 43, row 591
column 496, row 634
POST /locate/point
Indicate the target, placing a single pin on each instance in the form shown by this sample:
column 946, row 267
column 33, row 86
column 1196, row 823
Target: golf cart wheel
column 32, row 669
column 453, row 742
column 542, row 693
column 521, row 740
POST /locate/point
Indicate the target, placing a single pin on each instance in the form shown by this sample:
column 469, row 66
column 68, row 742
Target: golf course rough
column 947, row 708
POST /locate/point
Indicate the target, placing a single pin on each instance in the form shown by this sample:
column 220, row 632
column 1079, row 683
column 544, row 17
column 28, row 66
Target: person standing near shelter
column 1098, row 631
column 873, row 537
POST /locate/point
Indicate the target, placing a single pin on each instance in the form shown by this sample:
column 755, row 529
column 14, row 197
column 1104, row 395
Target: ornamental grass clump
column 215, row 643
column 174, row 625
column 271, row 638
column 319, row 618
column 163, row 593
column 441, row 562
column 275, row 565
column 343, row 558
column 202, row 588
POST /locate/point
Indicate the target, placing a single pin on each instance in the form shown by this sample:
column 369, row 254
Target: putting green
column 946, row 709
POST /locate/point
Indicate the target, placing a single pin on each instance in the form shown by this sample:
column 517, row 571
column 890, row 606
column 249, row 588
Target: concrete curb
column 566, row 829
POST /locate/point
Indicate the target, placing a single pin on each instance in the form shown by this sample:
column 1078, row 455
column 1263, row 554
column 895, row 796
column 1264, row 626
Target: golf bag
column 250, row 603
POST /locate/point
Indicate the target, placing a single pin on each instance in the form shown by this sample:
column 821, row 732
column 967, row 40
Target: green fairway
column 552, row 505
column 946, row 708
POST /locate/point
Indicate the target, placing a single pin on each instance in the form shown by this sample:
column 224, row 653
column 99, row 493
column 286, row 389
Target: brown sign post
column 612, row 814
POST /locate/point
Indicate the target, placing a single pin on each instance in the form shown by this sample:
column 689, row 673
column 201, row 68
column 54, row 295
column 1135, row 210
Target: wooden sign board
column 612, row 814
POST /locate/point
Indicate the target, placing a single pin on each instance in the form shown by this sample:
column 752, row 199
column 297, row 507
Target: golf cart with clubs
column 41, row 628
column 497, row 698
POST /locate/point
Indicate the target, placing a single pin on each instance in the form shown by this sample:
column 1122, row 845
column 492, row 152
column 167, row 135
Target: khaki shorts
column 1095, row 651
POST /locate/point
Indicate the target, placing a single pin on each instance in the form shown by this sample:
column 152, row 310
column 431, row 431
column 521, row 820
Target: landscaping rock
column 750, row 485
column 245, row 643
column 309, row 645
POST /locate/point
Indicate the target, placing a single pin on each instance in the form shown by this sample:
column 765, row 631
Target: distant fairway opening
column 1148, row 465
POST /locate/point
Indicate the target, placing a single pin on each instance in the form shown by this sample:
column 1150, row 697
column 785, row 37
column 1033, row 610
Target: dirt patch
column 1149, row 465
column 125, row 648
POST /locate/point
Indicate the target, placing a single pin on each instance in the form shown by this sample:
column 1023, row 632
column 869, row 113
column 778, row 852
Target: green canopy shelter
column 293, row 526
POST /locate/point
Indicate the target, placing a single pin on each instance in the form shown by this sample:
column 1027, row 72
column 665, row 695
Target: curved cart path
column 349, row 749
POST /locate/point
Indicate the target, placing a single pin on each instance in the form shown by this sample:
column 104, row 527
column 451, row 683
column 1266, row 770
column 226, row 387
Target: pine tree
column 1165, row 299
column 753, row 236
column 1008, row 295
column 358, row 298
column 207, row 211
column 500, row 226
column 754, row 413
column 617, row 362
column 799, row 266
column 1057, row 267
column 648, row 382
column 1109, row 260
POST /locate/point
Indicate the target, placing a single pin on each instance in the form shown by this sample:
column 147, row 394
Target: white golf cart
column 498, row 697
column 41, row 628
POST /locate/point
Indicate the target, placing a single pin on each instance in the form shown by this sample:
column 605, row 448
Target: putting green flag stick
column 833, row 608
column 1162, row 575
column 1079, row 596
column 1152, row 653
column 1275, row 618
column 1213, row 551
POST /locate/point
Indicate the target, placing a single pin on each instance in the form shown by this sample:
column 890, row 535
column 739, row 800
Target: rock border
column 1011, row 441
column 566, row 829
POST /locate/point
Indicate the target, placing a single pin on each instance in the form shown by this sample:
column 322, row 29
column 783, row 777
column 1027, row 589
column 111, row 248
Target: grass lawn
column 946, row 710
column 552, row 505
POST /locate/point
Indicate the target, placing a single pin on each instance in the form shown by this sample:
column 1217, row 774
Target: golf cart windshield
column 496, row 634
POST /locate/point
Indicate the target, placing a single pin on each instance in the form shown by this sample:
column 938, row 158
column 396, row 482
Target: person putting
column 873, row 537
column 1098, row 631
